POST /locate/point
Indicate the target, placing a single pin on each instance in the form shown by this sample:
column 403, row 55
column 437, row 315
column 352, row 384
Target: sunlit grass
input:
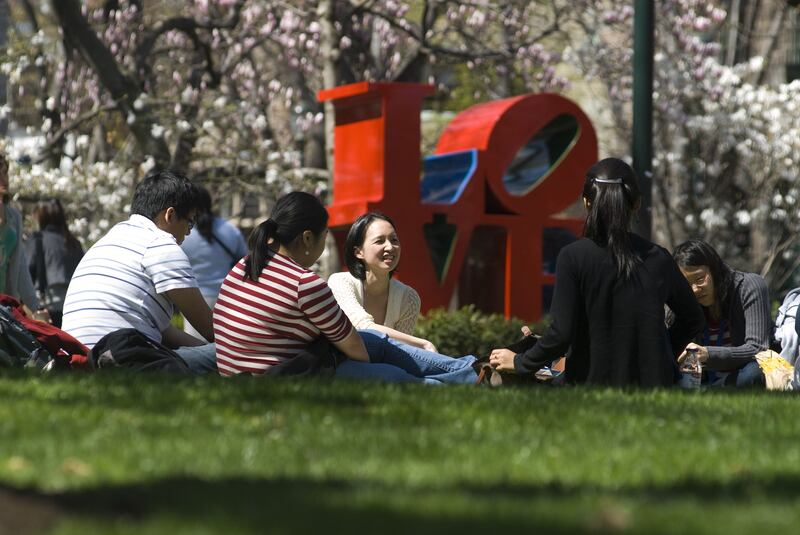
column 124, row 453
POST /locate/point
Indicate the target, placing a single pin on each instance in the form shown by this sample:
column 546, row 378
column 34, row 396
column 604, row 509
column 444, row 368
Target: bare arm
column 190, row 301
column 173, row 337
column 353, row 346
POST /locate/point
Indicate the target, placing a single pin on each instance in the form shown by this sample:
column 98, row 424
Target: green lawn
column 116, row 453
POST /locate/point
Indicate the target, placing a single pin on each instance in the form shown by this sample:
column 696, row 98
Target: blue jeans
column 394, row 361
column 750, row 375
column 200, row 359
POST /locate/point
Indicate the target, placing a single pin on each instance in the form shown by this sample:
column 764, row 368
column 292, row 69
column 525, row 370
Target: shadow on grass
column 248, row 505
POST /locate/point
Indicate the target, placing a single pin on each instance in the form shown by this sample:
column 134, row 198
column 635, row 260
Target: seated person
column 737, row 316
column 132, row 276
column 271, row 308
column 213, row 247
column 608, row 303
column 53, row 255
column 368, row 294
column 15, row 280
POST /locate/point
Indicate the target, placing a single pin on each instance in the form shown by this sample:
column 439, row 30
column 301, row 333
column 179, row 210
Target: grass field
column 117, row 453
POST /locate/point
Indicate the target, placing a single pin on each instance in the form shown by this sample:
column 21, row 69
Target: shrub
column 468, row 331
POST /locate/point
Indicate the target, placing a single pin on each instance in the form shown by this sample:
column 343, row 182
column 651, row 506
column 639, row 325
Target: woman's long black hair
column 612, row 193
column 696, row 253
column 204, row 218
column 355, row 238
column 293, row 214
column 50, row 213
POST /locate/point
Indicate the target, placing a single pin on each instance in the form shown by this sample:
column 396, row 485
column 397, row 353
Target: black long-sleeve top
column 614, row 328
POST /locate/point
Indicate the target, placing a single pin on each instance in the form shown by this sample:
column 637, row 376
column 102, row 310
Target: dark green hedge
column 469, row 331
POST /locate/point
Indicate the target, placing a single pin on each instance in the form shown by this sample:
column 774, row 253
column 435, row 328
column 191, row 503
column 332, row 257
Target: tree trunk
column 3, row 78
column 81, row 37
column 329, row 50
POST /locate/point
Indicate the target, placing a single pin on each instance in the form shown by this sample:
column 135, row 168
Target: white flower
column 148, row 164
column 260, row 123
column 157, row 131
column 140, row 102
column 743, row 217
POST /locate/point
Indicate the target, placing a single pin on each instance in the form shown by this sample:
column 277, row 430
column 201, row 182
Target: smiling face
column 380, row 251
column 702, row 283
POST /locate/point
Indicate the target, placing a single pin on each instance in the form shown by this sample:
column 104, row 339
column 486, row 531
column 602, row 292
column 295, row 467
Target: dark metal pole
column 643, row 37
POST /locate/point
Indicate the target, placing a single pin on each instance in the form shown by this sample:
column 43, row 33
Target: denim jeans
column 394, row 361
column 200, row 359
column 750, row 375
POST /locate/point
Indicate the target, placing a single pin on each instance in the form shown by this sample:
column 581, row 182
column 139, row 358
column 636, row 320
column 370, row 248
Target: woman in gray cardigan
column 14, row 277
column 737, row 310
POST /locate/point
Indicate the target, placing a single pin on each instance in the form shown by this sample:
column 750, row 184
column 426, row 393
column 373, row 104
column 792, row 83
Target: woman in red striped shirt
column 271, row 308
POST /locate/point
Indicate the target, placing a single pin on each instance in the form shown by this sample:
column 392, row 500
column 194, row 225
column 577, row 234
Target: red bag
column 59, row 343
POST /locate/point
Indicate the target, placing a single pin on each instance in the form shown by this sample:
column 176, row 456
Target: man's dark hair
column 162, row 189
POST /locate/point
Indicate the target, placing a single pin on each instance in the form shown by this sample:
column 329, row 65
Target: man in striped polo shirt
column 135, row 275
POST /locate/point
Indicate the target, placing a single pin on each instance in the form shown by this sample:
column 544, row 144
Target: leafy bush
column 469, row 331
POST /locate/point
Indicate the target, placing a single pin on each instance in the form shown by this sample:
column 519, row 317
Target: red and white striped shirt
column 260, row 324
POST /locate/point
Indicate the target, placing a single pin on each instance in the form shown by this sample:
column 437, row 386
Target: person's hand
column 428, row 346
column 702, row 353
column 42, row 315
column 502, row 360
column 526, row 331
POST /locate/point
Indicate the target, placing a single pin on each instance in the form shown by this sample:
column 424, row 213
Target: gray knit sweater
column 751, row 326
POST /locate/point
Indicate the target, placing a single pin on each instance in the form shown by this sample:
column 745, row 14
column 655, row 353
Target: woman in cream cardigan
column 368, row 294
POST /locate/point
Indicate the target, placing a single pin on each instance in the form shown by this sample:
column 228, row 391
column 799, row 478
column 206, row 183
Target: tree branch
column 57, row 137
column 80, row 36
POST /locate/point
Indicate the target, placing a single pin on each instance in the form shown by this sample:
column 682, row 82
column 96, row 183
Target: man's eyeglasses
column 191, row 222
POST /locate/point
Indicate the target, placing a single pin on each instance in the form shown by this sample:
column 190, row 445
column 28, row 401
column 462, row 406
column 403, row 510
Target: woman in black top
column 608, row 303
column 53, row 255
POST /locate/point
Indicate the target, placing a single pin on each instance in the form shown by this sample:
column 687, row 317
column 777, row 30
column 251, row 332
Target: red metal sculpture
column 495, row 183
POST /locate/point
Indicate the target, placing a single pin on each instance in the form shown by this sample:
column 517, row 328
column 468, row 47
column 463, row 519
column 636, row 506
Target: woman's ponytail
column 612, row 194
column 294, row 213
column 258, row 243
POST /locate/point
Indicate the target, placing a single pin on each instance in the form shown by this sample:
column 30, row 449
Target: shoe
column 486, row 374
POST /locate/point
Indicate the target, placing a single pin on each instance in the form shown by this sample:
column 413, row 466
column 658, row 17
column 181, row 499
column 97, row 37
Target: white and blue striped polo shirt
column 120, row 282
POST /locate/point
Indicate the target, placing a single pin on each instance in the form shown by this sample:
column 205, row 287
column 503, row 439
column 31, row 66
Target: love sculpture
column 474, row 226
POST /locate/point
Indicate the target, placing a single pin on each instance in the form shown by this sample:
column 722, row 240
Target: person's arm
column 191, row 303
column 346, row 293
column 317, row 302
column 754, row 297
column 174, row 338
column 18, row 282
column 345, row 290
column 353, row 346
column 564, row 310
column 688, row 315
column 405, row 338
column 407, row 320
